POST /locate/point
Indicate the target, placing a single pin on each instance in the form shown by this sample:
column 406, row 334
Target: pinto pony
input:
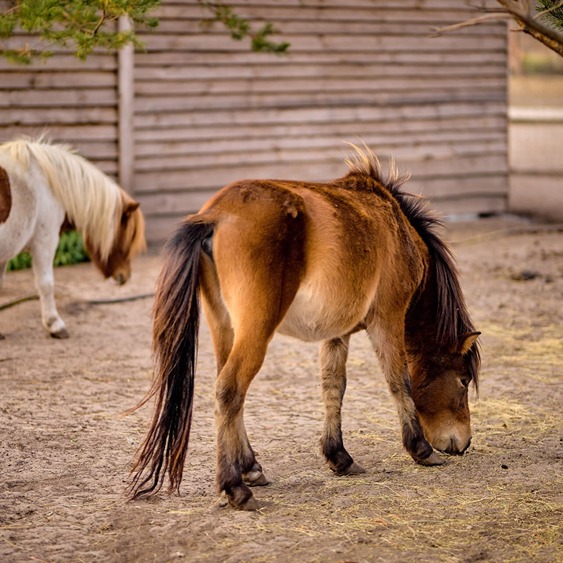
column 42, row 187
column 317, row 261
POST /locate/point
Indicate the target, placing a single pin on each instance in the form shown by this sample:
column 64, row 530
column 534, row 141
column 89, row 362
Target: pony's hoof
column 241, row 498
column 255, row 479
column 61, row 333
column 353, row 469
column 251, row 505
column 2, row 337
column 432, row 460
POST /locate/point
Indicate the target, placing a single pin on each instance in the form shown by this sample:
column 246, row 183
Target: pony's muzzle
column 456, row 446
column 121, row 278
column 456, row 449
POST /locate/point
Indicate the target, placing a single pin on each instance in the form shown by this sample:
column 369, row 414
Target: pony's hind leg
column 334, row 354
column 43, row 253
column 222, row 335
column 235, row 457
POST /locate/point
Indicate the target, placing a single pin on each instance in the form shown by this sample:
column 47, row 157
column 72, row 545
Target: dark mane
column 452, row 315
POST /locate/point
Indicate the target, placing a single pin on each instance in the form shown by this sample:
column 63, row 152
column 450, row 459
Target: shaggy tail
column 175, row 332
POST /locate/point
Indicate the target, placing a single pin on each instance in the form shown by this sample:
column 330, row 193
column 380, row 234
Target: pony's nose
column 455, row 448
column 120, row 279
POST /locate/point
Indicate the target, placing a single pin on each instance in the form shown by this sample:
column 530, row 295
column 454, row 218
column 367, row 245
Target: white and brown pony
column 42, row 187
column 317, row 261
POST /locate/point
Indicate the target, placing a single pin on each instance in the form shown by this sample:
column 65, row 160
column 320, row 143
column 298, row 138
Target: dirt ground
column 65, row 447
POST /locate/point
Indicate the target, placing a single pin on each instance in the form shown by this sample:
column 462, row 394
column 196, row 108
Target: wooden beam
column 126, row 95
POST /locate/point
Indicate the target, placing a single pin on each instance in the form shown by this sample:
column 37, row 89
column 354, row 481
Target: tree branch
column 523, row 13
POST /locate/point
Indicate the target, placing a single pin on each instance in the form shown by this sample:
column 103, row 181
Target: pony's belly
column 313, row 316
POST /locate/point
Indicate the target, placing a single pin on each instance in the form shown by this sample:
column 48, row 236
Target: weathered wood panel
column 67, row 99
column 208, row 111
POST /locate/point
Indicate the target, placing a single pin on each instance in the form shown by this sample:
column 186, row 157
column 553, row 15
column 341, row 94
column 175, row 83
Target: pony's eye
column 465, row 381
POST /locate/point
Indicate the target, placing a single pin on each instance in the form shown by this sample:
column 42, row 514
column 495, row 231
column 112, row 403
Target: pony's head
column 129, row 240
column 440, row 387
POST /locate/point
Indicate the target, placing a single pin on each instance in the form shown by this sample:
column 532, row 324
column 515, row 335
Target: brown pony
column 318, row 261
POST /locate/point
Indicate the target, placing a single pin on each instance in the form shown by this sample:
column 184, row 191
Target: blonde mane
column 92, row 201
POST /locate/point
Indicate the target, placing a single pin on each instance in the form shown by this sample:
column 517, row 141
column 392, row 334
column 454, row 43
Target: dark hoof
column 61, row 334
column 241, row 498
column 251, row 505
column 2, row 337
column 353, row 469
column 432, row 460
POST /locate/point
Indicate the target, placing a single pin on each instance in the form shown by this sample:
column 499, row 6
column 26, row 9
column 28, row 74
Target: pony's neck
column 423, row 341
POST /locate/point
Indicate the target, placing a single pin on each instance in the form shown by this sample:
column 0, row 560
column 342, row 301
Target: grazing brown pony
column 318, row 261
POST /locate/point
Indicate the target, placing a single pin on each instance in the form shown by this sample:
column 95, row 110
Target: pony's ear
column 131, row 206
column 466, row 342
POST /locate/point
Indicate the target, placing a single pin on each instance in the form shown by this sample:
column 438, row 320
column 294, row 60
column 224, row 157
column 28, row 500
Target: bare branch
column 437, row 31
column 523, row 13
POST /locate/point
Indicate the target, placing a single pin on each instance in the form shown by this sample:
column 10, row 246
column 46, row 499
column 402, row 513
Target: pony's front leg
column 3, row 266
column 43, row 253
column 334, row 354
column 234, row 454
column 388, row 342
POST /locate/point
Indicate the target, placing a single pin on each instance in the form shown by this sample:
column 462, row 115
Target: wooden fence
column 196, row 109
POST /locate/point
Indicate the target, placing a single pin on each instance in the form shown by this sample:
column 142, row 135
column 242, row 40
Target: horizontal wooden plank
column 470, row 185
column 477, row 205
column 284, row 69
column 245, row 155
column 58, row 98
column 171, row 58
column 158, row 229
column 343, row 113
column 171, row 203
column 57, row 80
column 427, row 140
column 48, row 117
column 69, row 134
column 318, row 23
column 312, row 99
column 307, row 9
column 300, row 85
column 332, row 43
column 64, row 62
column 471, row 127
column 318, row 165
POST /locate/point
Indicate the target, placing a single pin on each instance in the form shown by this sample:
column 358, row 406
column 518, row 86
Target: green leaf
column 69, row 251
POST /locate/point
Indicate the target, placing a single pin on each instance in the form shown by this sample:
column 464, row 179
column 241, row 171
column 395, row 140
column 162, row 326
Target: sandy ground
column 65, row 447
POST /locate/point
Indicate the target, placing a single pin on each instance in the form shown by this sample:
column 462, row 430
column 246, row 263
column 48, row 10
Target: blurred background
column 536, row 128
column 475, row 114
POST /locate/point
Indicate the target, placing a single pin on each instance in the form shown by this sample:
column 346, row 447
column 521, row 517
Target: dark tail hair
column 175, row 333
